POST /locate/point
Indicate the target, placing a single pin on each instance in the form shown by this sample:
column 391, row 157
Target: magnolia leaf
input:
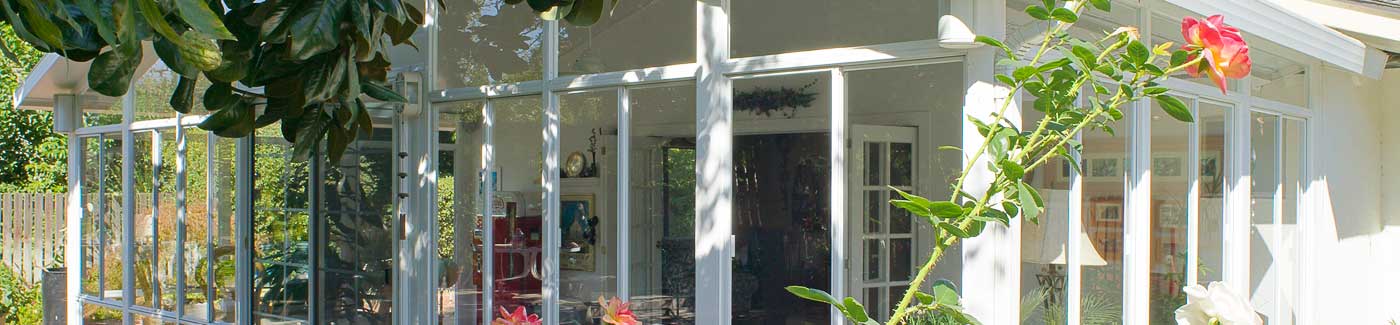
column 169, row 54
column 235, row 121
column 379, row 92
column 103, row 23
column 317, row 29
column 183, row 98
column 110, row 74
column 197, row 14
column 40, row 24
column 156, row 19
column 585, row 12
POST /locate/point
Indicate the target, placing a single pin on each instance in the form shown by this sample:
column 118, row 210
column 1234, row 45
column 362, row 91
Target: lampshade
column 1047, row 242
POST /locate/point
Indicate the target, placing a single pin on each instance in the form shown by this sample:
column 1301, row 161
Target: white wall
column 1355, row 259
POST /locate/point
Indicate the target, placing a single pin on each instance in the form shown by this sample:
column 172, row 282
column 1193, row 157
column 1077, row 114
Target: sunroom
column 694, row 158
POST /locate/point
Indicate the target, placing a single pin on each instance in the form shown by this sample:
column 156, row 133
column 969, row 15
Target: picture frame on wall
column 1168, row 166
column 1108, row 211
column 1104, row 168
column 578, row 225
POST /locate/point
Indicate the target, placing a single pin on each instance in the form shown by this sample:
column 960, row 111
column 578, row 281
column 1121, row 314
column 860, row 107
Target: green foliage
column 20, row 303
column 32, row 157
column 1083, row 89
column 319, row 60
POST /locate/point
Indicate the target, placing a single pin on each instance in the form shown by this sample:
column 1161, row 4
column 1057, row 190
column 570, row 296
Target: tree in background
column 32, row 156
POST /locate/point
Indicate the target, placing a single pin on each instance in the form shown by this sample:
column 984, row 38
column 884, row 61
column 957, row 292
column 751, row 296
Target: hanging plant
column 765, row 101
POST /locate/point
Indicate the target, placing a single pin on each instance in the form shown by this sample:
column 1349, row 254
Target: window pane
column 1105, row 159
column 667, row 28
column 1170, row 184
column 1287, row 253
column 1264, row 270
column 587, row 218
column 92, row 228
column 762, row 27
column 197, row 226
column 519, row 232
column 280, row 184
column 1044, row 245
column 112, row 217
column 1214, row 129
column 357, row 256
column 489, row 42
column 782, row 190
column 1277, row 78
column 100, row 315
column 166, row 222
column 908, row 109
column 662, row 163
column 143, row 176
column 223, row 196
column 460, row 204
column 103, row 111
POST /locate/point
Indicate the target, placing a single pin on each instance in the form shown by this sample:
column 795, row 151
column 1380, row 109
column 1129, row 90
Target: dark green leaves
column 111, row 72
column 1174, row 107
column 1038, row 12
column 197, row 14
column 383, row 93
column 854, row 311
column 1064, row 15
column 316, row 29
column 183, row 98
column 1138, row 53
column 1101, row 5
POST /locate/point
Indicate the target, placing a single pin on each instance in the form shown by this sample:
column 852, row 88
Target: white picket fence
column 31, row 231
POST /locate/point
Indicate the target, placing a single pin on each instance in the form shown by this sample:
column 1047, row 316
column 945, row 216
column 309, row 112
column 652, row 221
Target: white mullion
column 838, row 190
column 211, row 182
column 128, row 207
column 1074, row 274
column 550, row 285
column 488, row 243
column 1236, row 266
column 73, row 257
column 427, row 83
column 1193, row 191
column 243, row 229
column 714, row 188
column 180, row 218
column 1137, row 227
column 156, row 165
column 101, row 205
column 624, row 193
column 1279, row 122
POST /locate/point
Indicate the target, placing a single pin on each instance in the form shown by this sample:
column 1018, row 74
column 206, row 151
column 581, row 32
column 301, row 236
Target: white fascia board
column 34, row 81
column 56, row 75
column 1273, row 22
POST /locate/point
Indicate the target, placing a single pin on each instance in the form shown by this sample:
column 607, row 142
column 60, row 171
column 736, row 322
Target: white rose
column 1217, row 305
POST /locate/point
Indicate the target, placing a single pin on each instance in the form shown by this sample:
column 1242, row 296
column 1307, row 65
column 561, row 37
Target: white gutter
column 1286, row 27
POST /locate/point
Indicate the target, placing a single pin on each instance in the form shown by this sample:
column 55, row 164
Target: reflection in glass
column 1277, row 78
column 222, row 231
column 1045, row 244
column 1170, row 185
column 778, row 26
column 518, row 230
column 662, row 212
column 99, row 315
column 1265, row 250
column 666, row 27
column 460, row 207
column 166, row 221
column 781, row 197
column 93, row 236
column 1214, row 125
column 356, row 257
column 280, row 194
column 1105, row 159
column 143, row 260
column 587, row 220
column 489, row 42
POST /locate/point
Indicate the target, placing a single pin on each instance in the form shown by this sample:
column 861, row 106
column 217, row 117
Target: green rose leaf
column 1174, row 107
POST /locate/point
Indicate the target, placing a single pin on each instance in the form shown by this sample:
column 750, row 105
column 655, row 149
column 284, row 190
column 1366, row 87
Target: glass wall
column 102, row 233
column 1276, row 170
column 588, row 214
column 1171, row 185
column 661, row 252
column 1045, row 244
column 489, row 42
column 461, row 206
column 1105, row 171
column 615, row 43
column 281, row 280
column 355, row 254
column 1214, row 123
column 779, row 26
column 518, row 233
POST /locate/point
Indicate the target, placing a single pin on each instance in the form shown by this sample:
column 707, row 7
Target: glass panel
column 1264, row 234
column 778, row 26
column 1286, row 255
column 662, row 163
column 874, row 163
column 1105, row 157
column 1170, row 185
column 873, row 299
column 222, row 231
column 901, row 221
column 100, row 315
column 112, row 217
column 280, row 266
column 872, row 259
column 901, row 259
column 167, row 221
column 901, row 164
column 666, row 27
column 460, row 207
column 518, row 233
column 93, row 236
column 1214, row 130
column 874, row 203
column 489, row 42
column 913, row 107
column 782, row 192
column 152, row 93
column 102, row 111
column 1275, row 77
column 143, row 175
column 197, row 225
column 1045, row 245
column 588, row 218
column 357, row 258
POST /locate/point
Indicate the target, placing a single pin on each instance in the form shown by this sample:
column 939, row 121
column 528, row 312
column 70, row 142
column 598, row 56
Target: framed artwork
column 1108, row 211
column 1212, row 175
column 1171, row 214
column 1168, row 166
column 1104, row 168
column 578, row 225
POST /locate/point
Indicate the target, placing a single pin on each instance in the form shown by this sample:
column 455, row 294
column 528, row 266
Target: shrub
column 20, row 302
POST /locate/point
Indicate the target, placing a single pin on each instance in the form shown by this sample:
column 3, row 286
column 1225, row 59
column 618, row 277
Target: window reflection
column 662, row 211
column 666, row 27
column 461, row 194
column 489, row 42
column 762, row 27
column 1170, row 186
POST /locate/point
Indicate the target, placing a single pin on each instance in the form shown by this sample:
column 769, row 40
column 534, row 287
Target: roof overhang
column 1286, row 27
column 1377, row 27
column 56, row 75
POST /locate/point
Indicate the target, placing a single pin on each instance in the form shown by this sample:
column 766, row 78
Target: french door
column 882, row 238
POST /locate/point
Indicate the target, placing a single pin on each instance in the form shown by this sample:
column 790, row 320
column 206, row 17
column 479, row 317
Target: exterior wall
column 1355, row 254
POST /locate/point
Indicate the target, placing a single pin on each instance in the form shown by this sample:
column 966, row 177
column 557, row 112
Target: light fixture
column 954, row 34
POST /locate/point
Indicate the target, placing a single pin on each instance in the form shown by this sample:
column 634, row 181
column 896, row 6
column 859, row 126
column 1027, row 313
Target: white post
column 838, row 190
column 73, row 237
column 624, row 193
column 714, row 168
column 550, row 264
